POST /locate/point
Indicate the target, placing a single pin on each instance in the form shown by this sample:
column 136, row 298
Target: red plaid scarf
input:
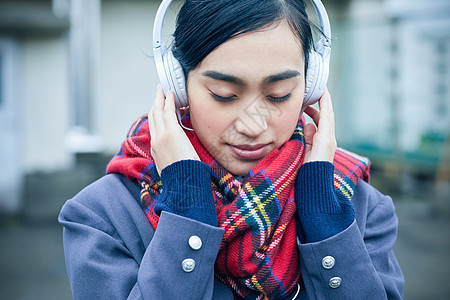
column 258, row 256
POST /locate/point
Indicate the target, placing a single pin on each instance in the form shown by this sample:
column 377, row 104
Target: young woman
column 250, row 203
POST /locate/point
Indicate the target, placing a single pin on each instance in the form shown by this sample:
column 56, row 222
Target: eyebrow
column 223, row 77
column 282, row 76
column 233, row 79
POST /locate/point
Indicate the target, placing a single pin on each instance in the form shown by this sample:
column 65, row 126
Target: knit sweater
column 321, row 212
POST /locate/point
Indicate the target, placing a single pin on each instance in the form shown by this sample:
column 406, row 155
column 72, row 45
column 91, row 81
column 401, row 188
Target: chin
column 240, row 168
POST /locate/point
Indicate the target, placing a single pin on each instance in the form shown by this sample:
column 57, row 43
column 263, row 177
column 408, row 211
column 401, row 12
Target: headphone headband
column 158, row 24
column 324, row 22
column 324, row 25
column 171, row 73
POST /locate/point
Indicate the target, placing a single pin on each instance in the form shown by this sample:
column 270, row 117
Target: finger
column 157, row 109
column 151, row 125
column 326, row 114
column 158, row 105
column 327, row 110
column 327, row 120
column 314, row 114
column 152, row 129
column 169, row 108
column 325, row 103
column 330, row 107
column 309, row 130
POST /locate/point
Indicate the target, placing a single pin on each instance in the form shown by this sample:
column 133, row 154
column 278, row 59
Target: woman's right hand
column 320, row 142
column 169, row 143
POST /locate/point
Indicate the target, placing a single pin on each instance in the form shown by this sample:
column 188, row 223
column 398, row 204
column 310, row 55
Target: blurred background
column 74, row 75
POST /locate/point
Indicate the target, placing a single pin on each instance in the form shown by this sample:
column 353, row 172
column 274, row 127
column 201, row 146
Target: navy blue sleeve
column 363, row 263
column 187, row 191
column 322, row 211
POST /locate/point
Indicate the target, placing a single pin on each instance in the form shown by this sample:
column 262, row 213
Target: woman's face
column 245, row 97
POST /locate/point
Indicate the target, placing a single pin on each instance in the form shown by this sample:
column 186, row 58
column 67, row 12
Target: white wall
column 128, row 77
column 10, row 126
column 359, row 74
column 45, row 103
column 374, row 107
column 126, row 85
column 424, row 67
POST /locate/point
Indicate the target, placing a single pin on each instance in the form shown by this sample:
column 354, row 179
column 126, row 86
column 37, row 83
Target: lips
column 250, row 152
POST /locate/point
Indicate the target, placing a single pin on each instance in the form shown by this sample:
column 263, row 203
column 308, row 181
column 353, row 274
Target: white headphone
column 171, row 73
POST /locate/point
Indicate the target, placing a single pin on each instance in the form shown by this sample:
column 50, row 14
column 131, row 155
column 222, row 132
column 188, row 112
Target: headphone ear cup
column 314, row 75
column 178, row 80
column 310, row 73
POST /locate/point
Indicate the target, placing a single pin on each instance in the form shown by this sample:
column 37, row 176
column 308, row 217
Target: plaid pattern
column 348, row 167
column 258, row 256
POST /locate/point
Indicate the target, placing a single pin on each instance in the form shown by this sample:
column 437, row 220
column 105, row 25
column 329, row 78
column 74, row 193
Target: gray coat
column 112, row 251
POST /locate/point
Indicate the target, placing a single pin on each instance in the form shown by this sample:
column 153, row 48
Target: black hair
column 203, row 25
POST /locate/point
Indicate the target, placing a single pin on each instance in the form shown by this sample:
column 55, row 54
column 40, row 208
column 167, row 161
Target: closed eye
column 279, row 99
column 221, row 98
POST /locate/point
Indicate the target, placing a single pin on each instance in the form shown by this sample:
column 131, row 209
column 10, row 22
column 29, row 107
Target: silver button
column 195, row 242
column 335, row 282
column 188, row 265
column 328, row 262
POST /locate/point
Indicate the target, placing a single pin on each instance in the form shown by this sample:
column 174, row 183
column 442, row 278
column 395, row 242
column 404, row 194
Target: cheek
column 207, row 121
column 286, row 122
column 209, row 118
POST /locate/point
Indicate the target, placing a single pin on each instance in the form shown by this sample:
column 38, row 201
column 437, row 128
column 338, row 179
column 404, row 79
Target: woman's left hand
column 320, row 142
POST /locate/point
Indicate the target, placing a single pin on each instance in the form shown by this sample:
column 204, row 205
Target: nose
column 253, row 120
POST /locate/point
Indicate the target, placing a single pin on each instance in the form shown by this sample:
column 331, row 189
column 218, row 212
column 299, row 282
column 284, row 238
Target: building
column 74, row 74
